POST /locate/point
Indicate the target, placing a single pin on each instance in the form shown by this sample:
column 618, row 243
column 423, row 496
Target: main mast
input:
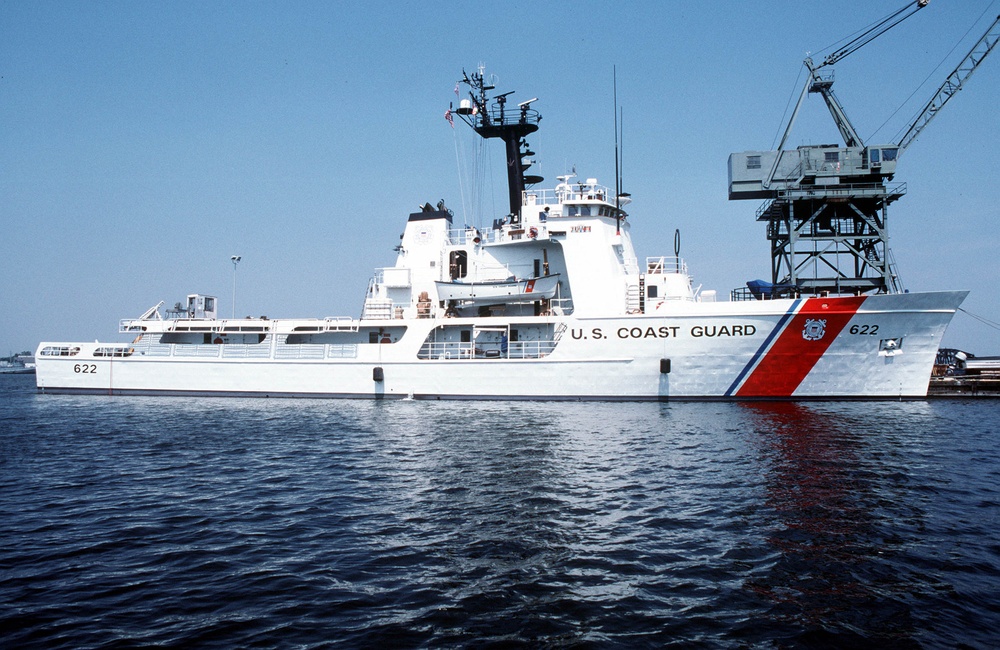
column 491, row 120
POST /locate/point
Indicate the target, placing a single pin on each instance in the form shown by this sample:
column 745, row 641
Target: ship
column 548, row 303
column 18, row 364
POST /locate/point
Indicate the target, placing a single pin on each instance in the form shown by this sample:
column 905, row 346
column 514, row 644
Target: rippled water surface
column 184, row 522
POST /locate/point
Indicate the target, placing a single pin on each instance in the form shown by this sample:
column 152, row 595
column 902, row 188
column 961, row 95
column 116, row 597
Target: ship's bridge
column 584, row 199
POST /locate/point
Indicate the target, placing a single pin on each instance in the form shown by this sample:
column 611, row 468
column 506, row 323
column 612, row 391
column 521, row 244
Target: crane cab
column 882, row 158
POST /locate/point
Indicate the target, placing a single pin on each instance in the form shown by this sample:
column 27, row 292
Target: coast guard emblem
column 814, row 330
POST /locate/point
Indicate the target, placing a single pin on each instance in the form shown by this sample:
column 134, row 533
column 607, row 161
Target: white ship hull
column 588, row 320
column 879, row 346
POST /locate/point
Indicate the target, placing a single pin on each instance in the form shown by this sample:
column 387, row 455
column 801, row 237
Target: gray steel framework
column 833, row 240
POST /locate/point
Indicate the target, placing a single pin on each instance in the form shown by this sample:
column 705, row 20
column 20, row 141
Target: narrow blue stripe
column 760, row 351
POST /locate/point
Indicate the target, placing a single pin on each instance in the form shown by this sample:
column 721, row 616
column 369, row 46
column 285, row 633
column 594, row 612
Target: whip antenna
column 618, row 182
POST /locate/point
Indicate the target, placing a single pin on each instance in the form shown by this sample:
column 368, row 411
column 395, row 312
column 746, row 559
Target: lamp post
column 235, row 260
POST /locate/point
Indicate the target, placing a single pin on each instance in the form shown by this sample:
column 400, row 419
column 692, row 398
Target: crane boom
column 953, row 83
column 874, row 31
column 824, row 86
column 815, row 83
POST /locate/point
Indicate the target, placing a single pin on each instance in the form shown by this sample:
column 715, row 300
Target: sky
column 142, row 144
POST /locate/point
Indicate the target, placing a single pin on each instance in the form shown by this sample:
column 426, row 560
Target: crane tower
column 827, row 206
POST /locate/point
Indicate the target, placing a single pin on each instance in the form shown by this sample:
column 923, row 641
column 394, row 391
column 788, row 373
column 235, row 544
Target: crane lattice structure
column 827, row 205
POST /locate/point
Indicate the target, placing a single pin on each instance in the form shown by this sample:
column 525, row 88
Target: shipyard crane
column 815, row 83
column 827, row 205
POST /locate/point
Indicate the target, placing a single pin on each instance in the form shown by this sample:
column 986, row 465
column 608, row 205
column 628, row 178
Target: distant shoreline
column 969, row 386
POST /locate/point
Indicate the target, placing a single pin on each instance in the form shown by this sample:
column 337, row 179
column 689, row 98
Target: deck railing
column 666, row 264
column 513, row 350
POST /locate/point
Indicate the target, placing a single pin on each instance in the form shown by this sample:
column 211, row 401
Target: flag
column 451, row 120
column 456, row 89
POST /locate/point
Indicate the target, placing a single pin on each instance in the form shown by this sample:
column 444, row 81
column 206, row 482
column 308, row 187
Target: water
column 183, row 522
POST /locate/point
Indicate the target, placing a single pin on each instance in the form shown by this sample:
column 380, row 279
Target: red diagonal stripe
column 792, row 356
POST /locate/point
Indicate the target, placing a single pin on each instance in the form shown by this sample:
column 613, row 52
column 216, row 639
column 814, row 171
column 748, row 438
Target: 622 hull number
column 864, row 330
column 85, row 368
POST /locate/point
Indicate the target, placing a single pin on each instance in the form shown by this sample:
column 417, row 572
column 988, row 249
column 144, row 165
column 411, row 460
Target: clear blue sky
column 142, row 144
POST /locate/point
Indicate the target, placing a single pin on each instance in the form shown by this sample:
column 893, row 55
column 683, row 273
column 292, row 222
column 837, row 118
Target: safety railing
column 342, row 351
column 243, row 351
column 665, row 264
column 340, row 324
column 454, row 350
column 298, row 350
column 201, row 350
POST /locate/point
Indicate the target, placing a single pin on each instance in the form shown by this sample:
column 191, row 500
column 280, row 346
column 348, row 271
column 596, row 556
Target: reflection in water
column 572, row 523
column 505, row 507
column 237, row 523
column 828, row 489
